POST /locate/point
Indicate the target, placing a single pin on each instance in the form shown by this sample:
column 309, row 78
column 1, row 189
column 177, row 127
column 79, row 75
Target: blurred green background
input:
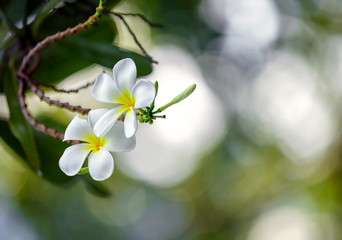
column 254, row 153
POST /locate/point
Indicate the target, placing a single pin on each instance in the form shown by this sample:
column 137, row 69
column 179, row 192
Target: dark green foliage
column 11, row 140
column 93, row 46
column 20, row 128
column 38, row 19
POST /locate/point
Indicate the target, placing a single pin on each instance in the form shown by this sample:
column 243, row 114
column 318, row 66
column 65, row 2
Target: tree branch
column 76, row 90
column 39, row 126
column 41, row 94
column 134, row 37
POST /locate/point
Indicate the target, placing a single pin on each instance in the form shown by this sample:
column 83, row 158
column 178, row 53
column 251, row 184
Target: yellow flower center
column 95, row 143
column 127, row 99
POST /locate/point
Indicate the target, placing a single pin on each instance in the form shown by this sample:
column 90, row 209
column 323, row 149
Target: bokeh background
column 254, row 153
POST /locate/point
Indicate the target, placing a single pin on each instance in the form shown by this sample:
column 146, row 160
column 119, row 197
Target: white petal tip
column 101, row 179
column 130, row 134
column 130, row 131
column 101, row 165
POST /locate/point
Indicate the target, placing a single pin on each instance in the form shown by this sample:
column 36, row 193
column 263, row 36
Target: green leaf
column 110, row 4
column 50, row 150
column 53, row 19
column 103, row 31
column 43, row 13
column 17, row 122
column 39, row 151
column 4, row 38
column 107, row 55
column 178, row 98
column 4, row 49
column 2, row 75
column 76, row 53
column 95, row 187
column 4, row 4
column 32, row 6
column 10, row 140
column 14, row 9
column 59, row 61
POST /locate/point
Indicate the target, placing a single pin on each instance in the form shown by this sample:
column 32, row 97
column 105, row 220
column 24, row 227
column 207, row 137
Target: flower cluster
column 124, row 91
column 103, row 134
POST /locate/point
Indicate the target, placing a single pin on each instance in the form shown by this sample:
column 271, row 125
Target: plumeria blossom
column 125, row 91
column 100, row 160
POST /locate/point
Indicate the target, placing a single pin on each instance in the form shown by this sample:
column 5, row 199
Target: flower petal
column 105, row 89
column 144, row 93
column 95, row 115
column 125, row 73
column 78, row 129
column 131, row 123
column 106, row 122
column 101, row 165
column 73, row 158
column 116, row 141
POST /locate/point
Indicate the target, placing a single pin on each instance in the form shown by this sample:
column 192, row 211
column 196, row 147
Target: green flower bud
column 178, row 98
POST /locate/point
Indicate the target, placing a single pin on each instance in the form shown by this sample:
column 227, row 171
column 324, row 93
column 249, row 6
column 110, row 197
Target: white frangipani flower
column 100, row 160
column 123, row 90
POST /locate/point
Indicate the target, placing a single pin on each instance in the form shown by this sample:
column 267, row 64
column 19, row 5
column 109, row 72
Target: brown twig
column 33, row 68
column 142, row 49
column 39, row 126
column 40, row 93
column 76, row 90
